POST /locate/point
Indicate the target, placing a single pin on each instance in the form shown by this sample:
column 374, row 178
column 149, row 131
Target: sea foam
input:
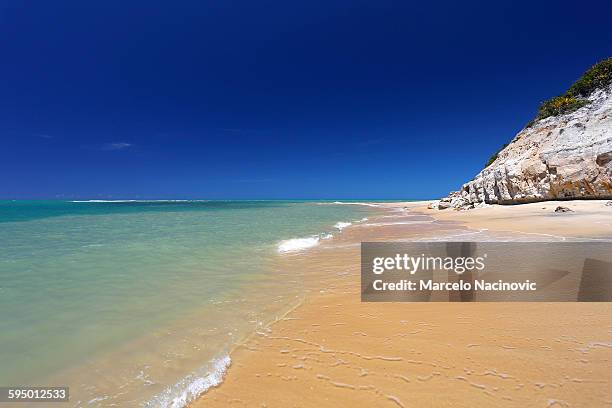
column 191, row 387
column 353, row 203
column 342, row 225
column 297, row 244
column 139, row 201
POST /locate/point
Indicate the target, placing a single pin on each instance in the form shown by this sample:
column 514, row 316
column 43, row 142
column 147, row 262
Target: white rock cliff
column 561, row 157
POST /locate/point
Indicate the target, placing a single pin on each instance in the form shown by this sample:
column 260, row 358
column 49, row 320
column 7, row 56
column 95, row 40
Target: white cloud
column 117, row 146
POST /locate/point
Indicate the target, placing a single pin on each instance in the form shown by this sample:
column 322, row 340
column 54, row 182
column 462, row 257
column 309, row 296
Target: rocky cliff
column 568, row 156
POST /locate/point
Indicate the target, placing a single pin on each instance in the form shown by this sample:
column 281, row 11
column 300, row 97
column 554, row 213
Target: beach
column 296, row 204
column 333, row 350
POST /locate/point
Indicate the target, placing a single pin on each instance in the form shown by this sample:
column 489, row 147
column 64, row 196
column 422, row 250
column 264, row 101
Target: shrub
column 560, row 105
column 596, row 77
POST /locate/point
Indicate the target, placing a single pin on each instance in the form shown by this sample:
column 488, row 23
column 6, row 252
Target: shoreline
column 186, row 349
column 319, row 343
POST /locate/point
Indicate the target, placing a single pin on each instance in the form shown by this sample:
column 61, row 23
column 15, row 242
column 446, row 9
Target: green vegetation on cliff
column 596, row 77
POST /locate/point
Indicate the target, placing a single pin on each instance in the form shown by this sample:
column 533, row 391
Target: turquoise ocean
column 138, row 303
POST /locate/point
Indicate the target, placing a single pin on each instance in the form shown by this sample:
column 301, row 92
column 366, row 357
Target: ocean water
column 138, row 303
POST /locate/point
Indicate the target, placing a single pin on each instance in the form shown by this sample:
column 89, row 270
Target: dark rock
column 603, row 159
column 561, row 209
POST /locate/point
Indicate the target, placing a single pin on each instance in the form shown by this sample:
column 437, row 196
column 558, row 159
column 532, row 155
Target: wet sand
column 332, row 350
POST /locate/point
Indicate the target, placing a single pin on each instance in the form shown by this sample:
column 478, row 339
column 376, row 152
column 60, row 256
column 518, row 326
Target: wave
column 382, row 224
column 351, row 203
column 140, row 201
column 297, row 244
column 342, row 225
column 191, row 387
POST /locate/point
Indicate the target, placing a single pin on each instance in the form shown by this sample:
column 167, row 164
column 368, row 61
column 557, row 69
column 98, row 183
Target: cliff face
column 560, row 157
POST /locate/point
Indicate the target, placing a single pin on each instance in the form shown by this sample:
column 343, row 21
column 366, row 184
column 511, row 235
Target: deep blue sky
column 276, row 99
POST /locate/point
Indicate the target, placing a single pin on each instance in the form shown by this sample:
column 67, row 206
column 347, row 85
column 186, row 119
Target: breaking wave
column 191, row 387
column 297, row 244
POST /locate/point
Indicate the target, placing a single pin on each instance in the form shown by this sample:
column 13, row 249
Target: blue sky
column 276, row 99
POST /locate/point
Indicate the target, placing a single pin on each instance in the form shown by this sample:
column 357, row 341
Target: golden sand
column 590, row 218
column 334, row 351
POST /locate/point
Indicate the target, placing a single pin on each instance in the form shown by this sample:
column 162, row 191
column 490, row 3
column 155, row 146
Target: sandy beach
column 332, row 350
column 589, row 218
